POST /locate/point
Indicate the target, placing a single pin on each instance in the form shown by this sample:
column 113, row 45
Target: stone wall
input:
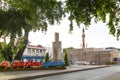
column 91, row 55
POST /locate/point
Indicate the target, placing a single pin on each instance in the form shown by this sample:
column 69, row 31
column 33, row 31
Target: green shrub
column 110, row 63
column 61, row 67
column 2, row 67
column 14, row 67
column 53, row 68
column 28, row 67
column 47, row 57
column 66, row 59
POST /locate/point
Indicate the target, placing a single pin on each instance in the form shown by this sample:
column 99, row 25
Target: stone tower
column 83, row 38
column 56, row 47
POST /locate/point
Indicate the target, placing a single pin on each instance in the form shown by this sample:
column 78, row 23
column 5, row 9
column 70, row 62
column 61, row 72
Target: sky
column 97, row 36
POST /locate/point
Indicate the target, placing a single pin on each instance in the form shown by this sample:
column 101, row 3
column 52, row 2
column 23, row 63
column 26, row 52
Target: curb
column 57, row 73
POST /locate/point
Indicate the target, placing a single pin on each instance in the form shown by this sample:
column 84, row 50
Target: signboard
column 20, row 64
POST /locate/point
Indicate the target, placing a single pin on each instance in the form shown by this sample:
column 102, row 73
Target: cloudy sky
column 97, row 35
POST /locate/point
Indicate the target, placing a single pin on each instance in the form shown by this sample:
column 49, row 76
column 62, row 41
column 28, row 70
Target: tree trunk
column 10, row 48
column 21, row 51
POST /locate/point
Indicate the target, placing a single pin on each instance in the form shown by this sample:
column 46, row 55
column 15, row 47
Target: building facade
column 32, row 52
column 92, row 55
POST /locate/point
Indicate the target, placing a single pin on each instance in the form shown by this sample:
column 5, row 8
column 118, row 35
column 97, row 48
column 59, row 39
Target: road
column 109, row 73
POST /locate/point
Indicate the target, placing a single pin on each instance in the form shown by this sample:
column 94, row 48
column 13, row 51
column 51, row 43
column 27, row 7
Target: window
column 37, row 51
column 29, row 51
column 41, row 50
column 33, row 51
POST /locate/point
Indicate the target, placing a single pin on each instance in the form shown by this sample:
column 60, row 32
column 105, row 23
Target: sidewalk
column 32, row 74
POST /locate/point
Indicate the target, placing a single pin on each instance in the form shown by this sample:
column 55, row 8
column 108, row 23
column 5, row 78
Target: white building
column 32, row 52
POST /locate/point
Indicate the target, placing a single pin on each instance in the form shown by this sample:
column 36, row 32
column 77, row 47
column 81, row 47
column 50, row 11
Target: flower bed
column 18, row 65
column 31, row 65
column 2, row 68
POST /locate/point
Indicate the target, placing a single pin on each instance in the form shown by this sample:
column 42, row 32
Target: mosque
column 99, row 56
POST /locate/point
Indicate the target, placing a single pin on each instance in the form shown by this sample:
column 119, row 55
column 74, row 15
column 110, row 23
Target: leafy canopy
column 82, row 11
column 38, row 12
column 19, row 17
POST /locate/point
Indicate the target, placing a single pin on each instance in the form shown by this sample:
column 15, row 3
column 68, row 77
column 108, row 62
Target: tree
column 64, row 50
column 47, row 57
column 11, row 26
column 66, row 59
column 83, row 11
column 19, row 17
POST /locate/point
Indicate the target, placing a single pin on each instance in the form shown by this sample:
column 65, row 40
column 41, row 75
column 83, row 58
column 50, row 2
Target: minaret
column 83, row 38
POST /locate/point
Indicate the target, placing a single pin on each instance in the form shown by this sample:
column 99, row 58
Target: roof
column 110, row 48
column 34, row 46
